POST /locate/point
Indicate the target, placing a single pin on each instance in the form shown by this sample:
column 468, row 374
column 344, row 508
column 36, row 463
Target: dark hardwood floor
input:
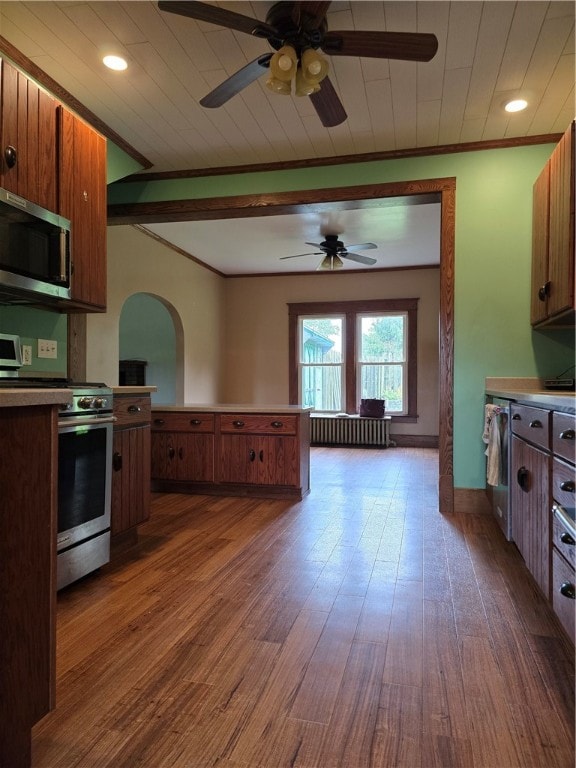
column 356, row 629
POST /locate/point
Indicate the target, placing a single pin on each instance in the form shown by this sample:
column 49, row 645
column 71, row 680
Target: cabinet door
column 83, row 201
column 28, row 126
column 195, row 454
column 130, row 478
column 561, row 246
column 164, row 461
column 259, row 460
column 530, row 502
column 540, row 228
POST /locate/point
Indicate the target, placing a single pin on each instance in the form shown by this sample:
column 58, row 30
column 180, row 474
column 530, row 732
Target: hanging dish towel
column 491, row 436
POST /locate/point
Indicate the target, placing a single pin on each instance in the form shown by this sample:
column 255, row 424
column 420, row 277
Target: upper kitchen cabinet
column 82, row 193
column 28, row 162
column 552, row 300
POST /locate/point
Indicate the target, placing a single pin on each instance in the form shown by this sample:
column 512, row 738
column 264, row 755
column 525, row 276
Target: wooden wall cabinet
column 236, row 454
column 130, row 463
column 530, row 489
column 28, row 144
column 82, row 199
column 553, row 276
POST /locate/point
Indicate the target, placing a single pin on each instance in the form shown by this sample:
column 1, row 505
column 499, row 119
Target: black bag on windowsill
column 372, row 408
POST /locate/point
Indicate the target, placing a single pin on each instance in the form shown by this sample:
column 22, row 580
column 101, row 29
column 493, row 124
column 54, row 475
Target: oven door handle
column 85, row 421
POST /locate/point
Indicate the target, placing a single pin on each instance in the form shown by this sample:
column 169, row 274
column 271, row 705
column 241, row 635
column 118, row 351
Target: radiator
column 349, row 430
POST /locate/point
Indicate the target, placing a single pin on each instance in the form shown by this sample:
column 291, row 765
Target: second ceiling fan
column 296, row 31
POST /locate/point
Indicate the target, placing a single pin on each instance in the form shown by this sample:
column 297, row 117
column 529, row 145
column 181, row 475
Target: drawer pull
column 117, row 462
column 516, row 417
column 536, row 424
column 134, row 409
column 567, row 589
column 567, row 539
column 160, row 422
column 277, row 424
column 523, row 477
column 544, row 291
column 261, row 455
column 238, row 424
column 568, row 486
column 567, row 434
column 195, row 422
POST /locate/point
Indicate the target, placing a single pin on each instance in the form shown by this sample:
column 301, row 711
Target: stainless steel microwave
column 10, row 352
column 34, row 252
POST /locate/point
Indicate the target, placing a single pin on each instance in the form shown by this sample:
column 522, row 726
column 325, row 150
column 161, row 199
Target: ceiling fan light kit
column 331, row 262
column 296, row 30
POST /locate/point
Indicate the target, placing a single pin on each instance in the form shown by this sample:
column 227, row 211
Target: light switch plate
column 47, row 348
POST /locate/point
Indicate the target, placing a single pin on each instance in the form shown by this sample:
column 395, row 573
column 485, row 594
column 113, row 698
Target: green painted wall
column 493, row 336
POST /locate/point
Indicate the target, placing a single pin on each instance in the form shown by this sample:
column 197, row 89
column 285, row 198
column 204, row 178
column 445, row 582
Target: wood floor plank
column 356, row 628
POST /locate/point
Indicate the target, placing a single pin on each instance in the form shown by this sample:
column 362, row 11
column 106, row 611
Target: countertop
column 529, row 391
column 233, row 408
column 132, row 390
column 20, row 397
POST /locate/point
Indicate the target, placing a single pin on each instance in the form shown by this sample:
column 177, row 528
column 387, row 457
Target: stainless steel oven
column 84, row 482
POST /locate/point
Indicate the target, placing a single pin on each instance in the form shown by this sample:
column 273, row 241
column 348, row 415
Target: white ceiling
column 488, row 51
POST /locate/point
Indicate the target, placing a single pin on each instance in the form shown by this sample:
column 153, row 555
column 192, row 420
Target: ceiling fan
column 297, row 30
column 334, row 251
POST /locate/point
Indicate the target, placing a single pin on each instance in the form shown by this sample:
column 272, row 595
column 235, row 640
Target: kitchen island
column 28, row 523
column 232, row 450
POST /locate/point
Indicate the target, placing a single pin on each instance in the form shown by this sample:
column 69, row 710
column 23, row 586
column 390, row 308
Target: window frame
column 303, row 364
column 350, row 310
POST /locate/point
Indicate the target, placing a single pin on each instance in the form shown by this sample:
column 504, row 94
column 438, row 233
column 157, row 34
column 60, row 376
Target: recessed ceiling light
column 516, row 105
column 115, row 62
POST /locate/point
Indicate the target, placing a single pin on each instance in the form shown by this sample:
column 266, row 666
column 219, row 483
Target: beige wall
column 256, row 322
column 194, row 296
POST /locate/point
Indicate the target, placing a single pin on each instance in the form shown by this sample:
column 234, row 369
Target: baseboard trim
column 415, row 441
column 472, row 500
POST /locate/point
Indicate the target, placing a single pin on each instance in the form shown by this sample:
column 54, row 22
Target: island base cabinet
column 130, row 479
column 259, row 459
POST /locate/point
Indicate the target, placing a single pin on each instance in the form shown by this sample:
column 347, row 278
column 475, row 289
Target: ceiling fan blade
column 316, row 245
column 236, row 82
column 297, row 255
column 357, row 257
column 407, row 46
column 362, row 246
column 215, row 15
column 328, row 105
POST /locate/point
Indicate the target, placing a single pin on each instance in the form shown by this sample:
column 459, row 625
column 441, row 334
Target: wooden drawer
column 258, row 423
column 563, row 585
column 182, row 421
column 564, row 535
column 563, row 484
column 130, row 411
column 563, row 435
column 532, row 424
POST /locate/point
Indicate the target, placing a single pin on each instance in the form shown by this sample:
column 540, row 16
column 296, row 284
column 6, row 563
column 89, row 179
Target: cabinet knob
column 195, row 422
column 568, row 486
column 252, row 454
column 544, row 291
column 567, row 589
column 160, row 422
column 567, row 434
column 117, row 462
column 567, row 539
column 238, row 424
column 277, row 424
column 536, row 424
column 10, row 155
column 134, row 409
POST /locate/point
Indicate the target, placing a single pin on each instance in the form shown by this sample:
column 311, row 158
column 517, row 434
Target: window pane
column 382, row 339
column 322, row 387
column 383, row 382
column 321, row 340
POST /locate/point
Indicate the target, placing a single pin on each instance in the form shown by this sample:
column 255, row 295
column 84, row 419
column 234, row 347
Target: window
column 341, row 352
